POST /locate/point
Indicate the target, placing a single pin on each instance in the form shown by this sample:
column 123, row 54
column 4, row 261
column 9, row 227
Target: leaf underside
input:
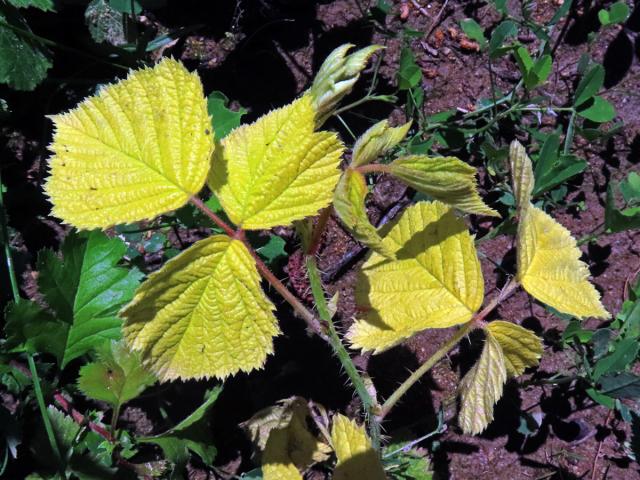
column 356, row 457
column 481, row 388
column 139, row 148
column 436, row 281
column 521, row 347
column 447, row 179
column 203, row 314
column 276, row 170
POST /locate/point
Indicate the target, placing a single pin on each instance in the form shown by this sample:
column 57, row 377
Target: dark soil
column 262, row 55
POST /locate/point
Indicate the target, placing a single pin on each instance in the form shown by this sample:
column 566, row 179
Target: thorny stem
column 291, row 299
column 35, row 379
column 476, row 322
column 368, row 402
column 80, row 419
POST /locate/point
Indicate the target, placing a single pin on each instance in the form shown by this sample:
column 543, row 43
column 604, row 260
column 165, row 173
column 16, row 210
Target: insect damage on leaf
column 139, row 148
column 277, row 169
column 549, row 265
column 435, row 281
column 203, row 314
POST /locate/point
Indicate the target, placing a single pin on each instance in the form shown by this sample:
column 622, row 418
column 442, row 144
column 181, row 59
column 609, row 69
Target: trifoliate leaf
column 193, row 434
column 291, row 447
column 23, row 62
column 276, row 170
column 436, row 281
column 31, row 329
column 521, row 174
column 203, row 314
column 348, row 201
column 118, row 376
column 85, row 289
column 549, row 266
column 336, row 78
column 356, row 457
column 447, row 179
column 376, row 141
column 481, row 388
column 139, row 148
column 521, row 347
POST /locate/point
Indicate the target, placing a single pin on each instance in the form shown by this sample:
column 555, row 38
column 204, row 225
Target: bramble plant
column 146, row 146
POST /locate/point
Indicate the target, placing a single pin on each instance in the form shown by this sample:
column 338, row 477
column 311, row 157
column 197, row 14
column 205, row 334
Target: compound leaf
column 276, row 170
column 356, row 457
column 139, row 148
column 348, row 201
column 481, row 388
column 85, row 289
column 550, row 269
column 447, row 179
column 117, row 377
column 203, row 314
column 436, row 281
column 376, row 141
column 521, row 347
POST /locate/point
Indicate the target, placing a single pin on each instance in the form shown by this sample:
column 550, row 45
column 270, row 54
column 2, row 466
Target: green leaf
column 539, row 72
column 447, row 179
column 191, row 434
column 481, row 388
column 553, row 169
column 223, row 118
column 105, row 24
column 589, row 84
column 31, row 329
column 273, row 250
column 117, row 377
column 474, row 31
column 131, row 7
column 598, row 110
column 23, row 62
column 625, row 352
column 501, row 6
column 409, row 73
column 502, row 32
column 620, row 385
column 525, row 62
column 621, row 219
column 617, row 13
column 630, row 188
column 85, row 289
column 45, row 5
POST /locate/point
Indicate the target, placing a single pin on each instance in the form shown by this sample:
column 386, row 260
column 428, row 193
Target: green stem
column 568, row 139
column 365, row 99
column 45, row 415
column 7, row 250
column 114, row 421
column 424, row 368
column 368, row 402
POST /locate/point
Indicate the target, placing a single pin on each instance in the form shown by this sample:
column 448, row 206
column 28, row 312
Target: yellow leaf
column 549, row 266
column 376, row 141
column 276, row 170
column 521, row 174
column 521, row 347
column 203, row 314
column 436, row 281
column 348, row 201
column 447, row 179
column 139, row 148
column 356, row 458
column 291, row 447
column 336, row 77
column 481, row 388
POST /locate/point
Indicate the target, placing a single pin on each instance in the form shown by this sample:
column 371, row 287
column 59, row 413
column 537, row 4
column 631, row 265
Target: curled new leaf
column 435, row 281
column 376, row 141
column 348, row 201
column 336, row 77
column 356, row 457
column 203, row 314
column 447, row 179
column 136, row 150
column 521, row 347
column 290, row 447
column 481, row 388
column 276, row 170
column 549, row 266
